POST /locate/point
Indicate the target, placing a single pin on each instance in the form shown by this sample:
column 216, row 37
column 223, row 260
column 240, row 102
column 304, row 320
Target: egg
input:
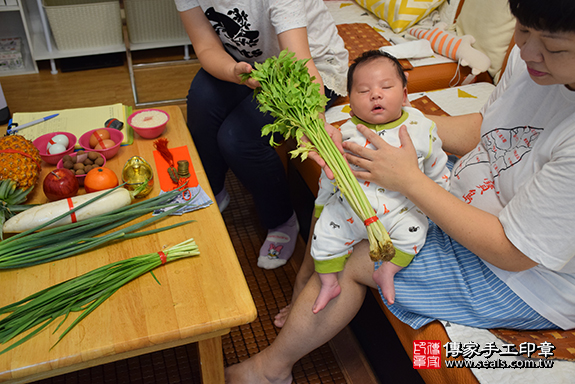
column 104, row 144
column 59, row 139
column 56, row 148
column 97, row 136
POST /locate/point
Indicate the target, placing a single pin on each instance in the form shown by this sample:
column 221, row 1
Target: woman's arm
column 396, row 169
column 459, row 134
column 210, row 51
column 296, row 41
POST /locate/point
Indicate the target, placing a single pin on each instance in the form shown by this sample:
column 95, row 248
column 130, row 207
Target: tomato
column 100, row 178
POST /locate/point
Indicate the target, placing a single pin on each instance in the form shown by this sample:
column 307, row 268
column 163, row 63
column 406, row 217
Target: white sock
column 223, row 199
column 279, row 245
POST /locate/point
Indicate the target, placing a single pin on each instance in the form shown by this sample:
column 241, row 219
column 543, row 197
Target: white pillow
column 491, row 23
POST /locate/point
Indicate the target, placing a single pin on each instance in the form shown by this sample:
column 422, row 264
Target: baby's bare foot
column 383, row 277
column 281, row 318
column 326, row 294
column 387, row 288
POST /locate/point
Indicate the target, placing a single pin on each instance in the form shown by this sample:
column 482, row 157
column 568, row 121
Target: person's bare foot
column 250, row 372
column 383, row 277
column 326, row 294
column 281, row 318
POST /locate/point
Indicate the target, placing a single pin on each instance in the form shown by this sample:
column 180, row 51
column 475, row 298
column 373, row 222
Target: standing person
column 498, row 259
column 377, row 89
column 228, row 37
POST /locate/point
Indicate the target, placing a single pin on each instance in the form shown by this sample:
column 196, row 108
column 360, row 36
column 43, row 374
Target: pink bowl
column 42, row 142
column 148, row 132
column 115, row 135
column 80, row 178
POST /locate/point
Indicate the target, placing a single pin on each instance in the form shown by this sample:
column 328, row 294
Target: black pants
column 226, row 124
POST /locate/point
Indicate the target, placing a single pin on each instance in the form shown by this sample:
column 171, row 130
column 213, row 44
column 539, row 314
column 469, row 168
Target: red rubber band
column 71, row 206
column 371, row 220
column 100, row 141
column 163, row 257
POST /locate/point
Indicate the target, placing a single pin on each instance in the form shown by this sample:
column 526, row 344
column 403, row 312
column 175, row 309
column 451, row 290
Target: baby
column 377, row 89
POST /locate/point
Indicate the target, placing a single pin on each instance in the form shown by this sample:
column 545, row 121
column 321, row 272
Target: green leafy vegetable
column 289, row 94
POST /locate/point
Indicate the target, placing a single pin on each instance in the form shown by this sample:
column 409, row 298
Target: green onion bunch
column 289, row 94
column 80, row 294
column 37, row 246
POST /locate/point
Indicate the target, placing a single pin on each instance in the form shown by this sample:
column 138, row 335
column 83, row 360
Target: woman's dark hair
column 548, row 15
column 372, row 55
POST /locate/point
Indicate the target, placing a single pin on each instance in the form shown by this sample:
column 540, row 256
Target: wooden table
column 199, row 299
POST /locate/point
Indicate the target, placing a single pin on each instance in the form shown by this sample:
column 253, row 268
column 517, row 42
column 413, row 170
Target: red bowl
column 115, row 135
column 42, row 142
column 148, row 131
column 80, row 178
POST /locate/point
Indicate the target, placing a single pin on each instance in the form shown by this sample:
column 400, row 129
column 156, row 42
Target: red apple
column 61, row 183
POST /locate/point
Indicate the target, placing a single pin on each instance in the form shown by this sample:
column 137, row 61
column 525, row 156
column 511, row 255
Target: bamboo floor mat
column 271, row 290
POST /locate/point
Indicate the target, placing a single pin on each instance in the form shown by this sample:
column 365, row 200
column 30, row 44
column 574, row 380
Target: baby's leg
column 383, row 277
column 329, row 289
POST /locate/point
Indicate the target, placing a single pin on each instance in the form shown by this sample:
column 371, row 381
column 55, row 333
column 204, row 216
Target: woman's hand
column 241, row 68
column 388, row 166
column 397, row 169
column 335, row 135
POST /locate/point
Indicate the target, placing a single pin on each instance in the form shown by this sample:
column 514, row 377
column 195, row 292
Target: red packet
column 179, row 153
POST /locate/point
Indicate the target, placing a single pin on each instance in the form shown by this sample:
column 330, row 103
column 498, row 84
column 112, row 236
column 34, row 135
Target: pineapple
column 19, row 170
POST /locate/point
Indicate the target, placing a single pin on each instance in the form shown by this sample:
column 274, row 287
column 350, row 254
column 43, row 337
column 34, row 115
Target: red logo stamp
column 426, row 354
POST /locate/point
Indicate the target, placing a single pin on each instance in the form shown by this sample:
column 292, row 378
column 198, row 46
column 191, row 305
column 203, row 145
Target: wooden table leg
column 212, row 360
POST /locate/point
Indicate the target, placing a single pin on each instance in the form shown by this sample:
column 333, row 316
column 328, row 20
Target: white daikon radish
column 40, row 214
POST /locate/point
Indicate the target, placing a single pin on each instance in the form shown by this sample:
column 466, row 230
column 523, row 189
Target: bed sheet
column 458, row 101
column 348, row 12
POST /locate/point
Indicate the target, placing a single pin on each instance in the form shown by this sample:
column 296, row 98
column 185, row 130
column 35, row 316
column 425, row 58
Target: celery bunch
column 289, row 94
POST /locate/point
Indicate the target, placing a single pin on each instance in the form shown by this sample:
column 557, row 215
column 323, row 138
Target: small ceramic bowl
column 42, row 142
column 80, row 178
column 115, row 135
column 149, row 123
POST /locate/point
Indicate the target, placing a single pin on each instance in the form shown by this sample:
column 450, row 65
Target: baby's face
column 377, row 93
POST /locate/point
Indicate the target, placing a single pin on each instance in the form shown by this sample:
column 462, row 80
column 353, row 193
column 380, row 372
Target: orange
column 100, row 178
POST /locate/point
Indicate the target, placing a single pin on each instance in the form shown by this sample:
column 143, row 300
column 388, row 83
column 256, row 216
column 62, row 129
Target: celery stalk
column 289, row 94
